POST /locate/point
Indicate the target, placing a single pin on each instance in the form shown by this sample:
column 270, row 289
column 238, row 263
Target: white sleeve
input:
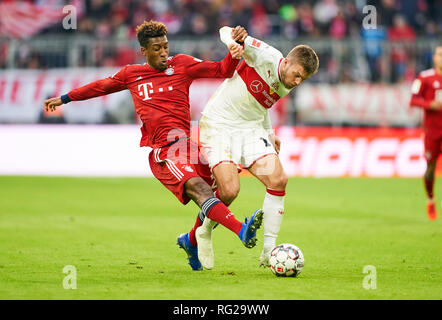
column 225, row 34
column 267, row 124
column 252, row 50
column 255, row 49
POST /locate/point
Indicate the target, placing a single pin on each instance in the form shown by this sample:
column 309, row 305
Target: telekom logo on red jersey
column 146, row 89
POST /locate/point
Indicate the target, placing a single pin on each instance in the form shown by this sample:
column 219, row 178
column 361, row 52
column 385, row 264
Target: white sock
column 208, row 224
column 273, row 208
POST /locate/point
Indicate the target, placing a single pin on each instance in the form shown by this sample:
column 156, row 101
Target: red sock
column 192, row 238
column 221, row 214
column 279, row 193
column 429, row 184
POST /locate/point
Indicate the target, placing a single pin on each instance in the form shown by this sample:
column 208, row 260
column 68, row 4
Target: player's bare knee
column 278, row 182
column 229, row 193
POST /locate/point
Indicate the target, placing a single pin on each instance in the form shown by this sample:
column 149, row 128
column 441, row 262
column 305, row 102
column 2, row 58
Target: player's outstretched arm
column 92, row 90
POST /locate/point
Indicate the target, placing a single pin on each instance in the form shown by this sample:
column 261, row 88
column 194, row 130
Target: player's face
column 157, row 52
column 437, row 58
column 292, row 74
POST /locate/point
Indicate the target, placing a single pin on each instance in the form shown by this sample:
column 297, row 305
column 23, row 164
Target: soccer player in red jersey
column 160, row 92
column 427, row 94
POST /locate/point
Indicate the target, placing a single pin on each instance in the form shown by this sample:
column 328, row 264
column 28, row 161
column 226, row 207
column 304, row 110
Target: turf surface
column 120, row 234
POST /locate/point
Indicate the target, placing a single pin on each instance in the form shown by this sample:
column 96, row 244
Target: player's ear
column 284, row 64
column 144, row 51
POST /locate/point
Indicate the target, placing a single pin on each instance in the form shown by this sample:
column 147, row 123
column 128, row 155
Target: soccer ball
column 286, row 260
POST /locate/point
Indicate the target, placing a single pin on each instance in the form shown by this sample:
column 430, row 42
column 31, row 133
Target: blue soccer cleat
column 191, row 250
column 247, row 234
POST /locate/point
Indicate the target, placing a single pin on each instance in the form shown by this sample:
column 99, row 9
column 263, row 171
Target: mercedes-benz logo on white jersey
column 256, row 86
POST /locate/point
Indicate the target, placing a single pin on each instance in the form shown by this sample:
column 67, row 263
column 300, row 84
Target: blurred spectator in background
column 113, row 23
column 324, row 11
column 387, row 9
column 259, row 24
column 373, row 42
column 401, row 36
column 338, row 26
column 306, row 21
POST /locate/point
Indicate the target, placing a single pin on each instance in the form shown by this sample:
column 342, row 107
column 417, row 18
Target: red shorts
column 433, row 144
column 177, row 163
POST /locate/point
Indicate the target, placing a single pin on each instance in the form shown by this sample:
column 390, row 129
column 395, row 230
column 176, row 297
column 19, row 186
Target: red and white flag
column 21, row 19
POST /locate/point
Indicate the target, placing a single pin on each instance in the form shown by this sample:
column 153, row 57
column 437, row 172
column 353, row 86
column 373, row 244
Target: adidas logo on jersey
column 188, row 168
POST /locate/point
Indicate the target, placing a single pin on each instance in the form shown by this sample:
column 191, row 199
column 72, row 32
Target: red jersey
column 161, row 98
column 426, row 88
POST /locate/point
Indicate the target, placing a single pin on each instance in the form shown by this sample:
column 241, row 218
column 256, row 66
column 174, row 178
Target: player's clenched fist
column 52, row 103
column 239, row 34
column 236, row 50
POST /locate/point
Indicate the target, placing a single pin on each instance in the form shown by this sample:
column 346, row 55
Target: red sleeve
column 197, row 68
column 101, row 87
column 417, row 98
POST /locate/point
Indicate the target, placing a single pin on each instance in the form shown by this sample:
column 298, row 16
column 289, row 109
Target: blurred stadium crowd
column 263, row 18
column 333, row 18
column 399, row 24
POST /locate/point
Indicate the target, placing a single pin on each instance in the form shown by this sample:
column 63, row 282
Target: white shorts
column 243, row 147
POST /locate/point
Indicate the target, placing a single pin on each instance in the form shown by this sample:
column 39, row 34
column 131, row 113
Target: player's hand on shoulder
column 52, row 103
column 239, row 34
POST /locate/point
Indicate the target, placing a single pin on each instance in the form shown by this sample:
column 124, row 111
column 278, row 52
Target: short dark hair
column 150, row 29
column 306, row 57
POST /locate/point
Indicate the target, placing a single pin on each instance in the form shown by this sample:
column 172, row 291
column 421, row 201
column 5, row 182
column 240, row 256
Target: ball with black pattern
column 286, row 260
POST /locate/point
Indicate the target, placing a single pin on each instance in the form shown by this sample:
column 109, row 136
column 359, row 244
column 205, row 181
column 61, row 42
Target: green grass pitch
column 120, row 234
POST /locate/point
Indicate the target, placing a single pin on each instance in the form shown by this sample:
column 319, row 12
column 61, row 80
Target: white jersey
column 243, row 100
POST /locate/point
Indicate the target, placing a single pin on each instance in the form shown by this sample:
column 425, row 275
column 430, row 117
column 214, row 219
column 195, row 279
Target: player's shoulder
column 134, row 67
column 265, row 50
column 427, row 73
column 258, row 44
column 424, row 78
column 184, row 58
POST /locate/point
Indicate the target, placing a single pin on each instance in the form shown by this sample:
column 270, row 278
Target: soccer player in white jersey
column 235, row 131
